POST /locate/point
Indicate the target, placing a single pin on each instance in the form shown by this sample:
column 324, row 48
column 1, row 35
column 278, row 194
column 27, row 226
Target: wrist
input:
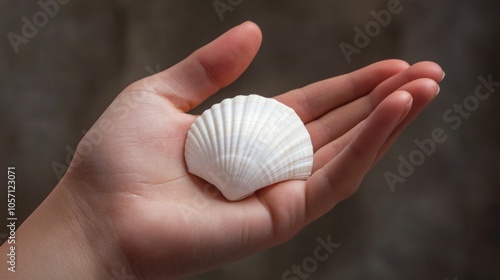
column 64, row 239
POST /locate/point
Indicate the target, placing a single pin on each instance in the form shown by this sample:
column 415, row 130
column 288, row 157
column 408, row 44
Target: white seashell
column 246, row 143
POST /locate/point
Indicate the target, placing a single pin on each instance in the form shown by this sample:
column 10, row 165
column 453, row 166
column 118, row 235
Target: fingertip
column 400, row 98
column 407, row 99
column 398, row 64
column 427, row 87
column 404, row 96
column 251, row 26
column 430, row 69
column 390, row 66
column 250, row 30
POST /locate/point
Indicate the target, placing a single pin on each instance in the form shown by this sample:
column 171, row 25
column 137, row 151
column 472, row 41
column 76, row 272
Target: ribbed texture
column 246, row 143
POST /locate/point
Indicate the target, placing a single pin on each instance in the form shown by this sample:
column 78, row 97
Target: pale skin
column 129, row 206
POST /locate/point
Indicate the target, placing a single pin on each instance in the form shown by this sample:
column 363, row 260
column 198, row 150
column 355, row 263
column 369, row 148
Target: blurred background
column 442, row 222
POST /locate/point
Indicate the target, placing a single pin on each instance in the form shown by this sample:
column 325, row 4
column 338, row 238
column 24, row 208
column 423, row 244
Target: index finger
column 314, row 100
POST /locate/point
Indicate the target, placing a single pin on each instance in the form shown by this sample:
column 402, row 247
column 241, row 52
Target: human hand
column 136, row 207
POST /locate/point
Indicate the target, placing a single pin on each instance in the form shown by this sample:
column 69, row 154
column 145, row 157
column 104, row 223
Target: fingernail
column 437, row 91
column 444, row 75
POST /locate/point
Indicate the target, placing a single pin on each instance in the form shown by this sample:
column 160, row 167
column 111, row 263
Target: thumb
column 208, row 69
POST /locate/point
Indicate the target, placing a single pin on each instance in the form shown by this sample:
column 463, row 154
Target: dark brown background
column 441, row 223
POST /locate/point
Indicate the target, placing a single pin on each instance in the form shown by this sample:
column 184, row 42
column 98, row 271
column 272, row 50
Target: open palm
column 166, row 223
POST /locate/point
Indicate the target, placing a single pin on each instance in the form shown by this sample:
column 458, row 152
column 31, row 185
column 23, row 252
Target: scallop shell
column 246, row 143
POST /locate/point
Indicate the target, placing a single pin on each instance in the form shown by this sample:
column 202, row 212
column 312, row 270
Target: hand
column 127, row 202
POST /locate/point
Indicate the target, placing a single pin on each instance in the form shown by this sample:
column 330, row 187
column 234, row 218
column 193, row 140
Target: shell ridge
column 208, row 143
column 252, row 158
column 226, row 113
column 192, row 141
column 220, row 130
column 266, row 176
column 239, row 109
column 214, row 132
column 259, row 133
column 293, row 147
